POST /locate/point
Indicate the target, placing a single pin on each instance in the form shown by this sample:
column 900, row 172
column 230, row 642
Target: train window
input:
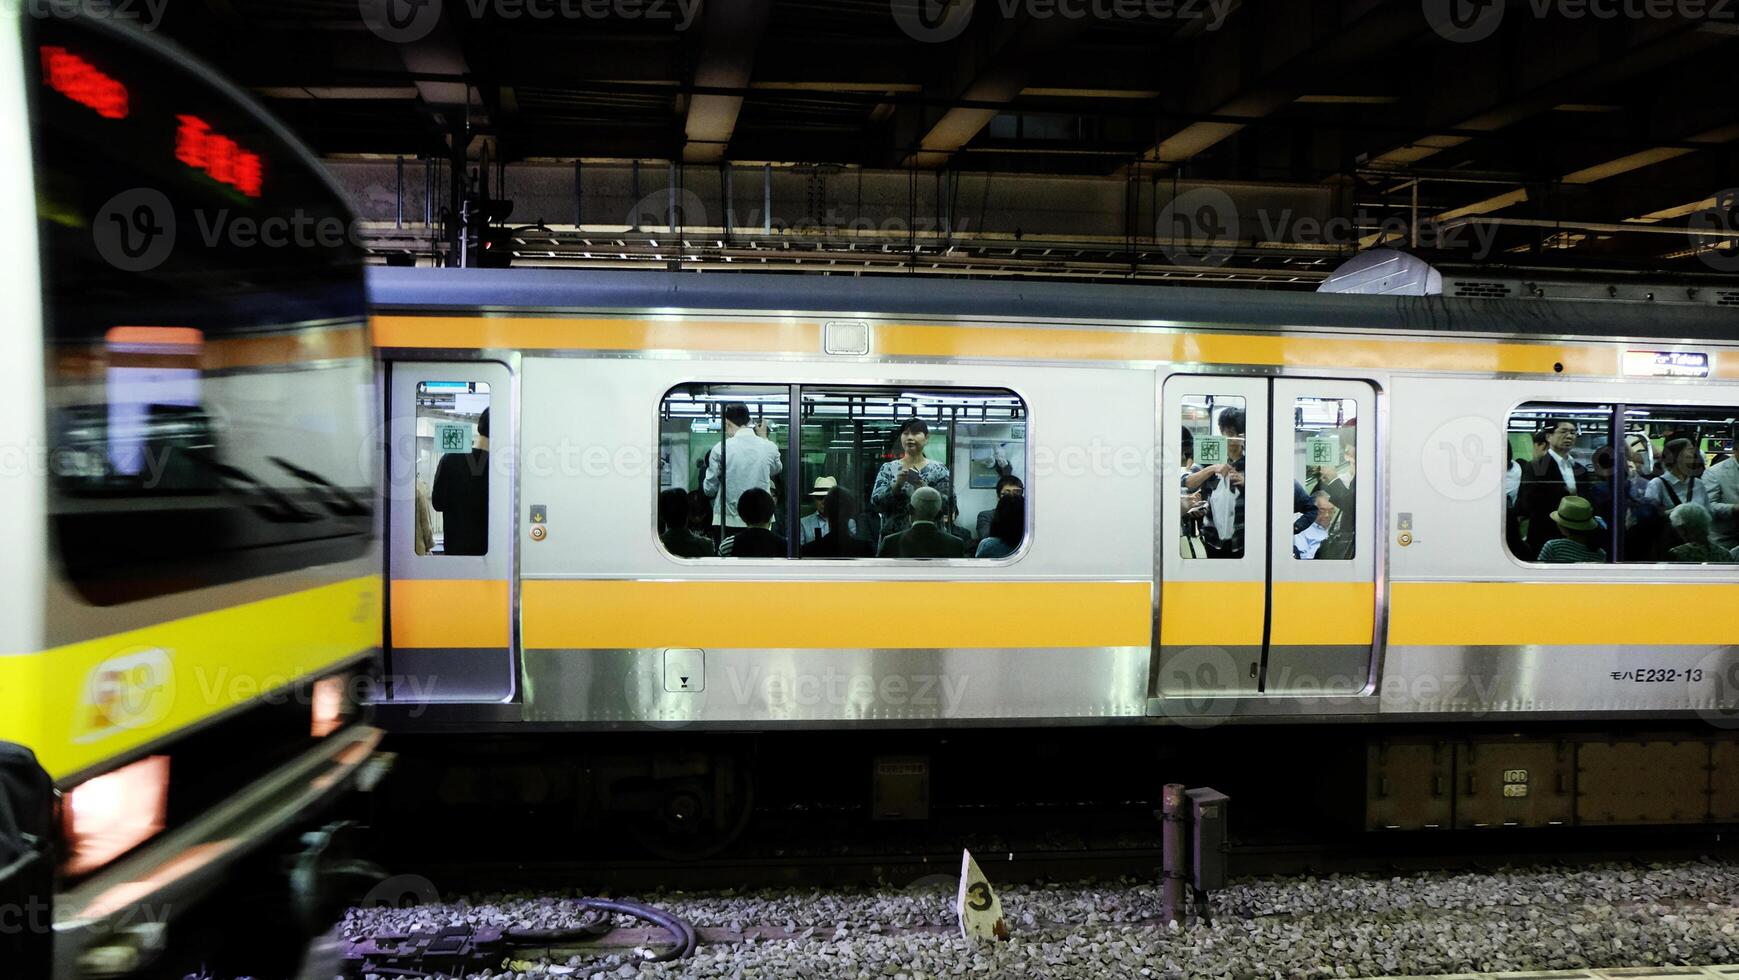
column 209, row 376
column 1681, row 485
column 721, row 460
column 1631, row 483
column 451, row 516
column 912, row 473
column 1325, row 459
column 1212, row 485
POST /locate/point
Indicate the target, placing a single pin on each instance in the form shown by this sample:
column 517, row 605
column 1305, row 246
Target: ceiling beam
column 1009, row 51
column 1270, row 55
column 732, row 32
column 1554, row 69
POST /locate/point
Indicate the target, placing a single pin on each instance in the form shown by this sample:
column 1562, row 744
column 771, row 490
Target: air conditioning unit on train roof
column 1391, row 272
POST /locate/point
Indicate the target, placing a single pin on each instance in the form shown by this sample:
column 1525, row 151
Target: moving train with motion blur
column 1343, row 601
column 192, row 608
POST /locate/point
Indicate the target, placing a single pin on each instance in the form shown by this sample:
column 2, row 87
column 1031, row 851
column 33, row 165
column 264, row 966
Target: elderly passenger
column 923, row 538
column 1691, row 521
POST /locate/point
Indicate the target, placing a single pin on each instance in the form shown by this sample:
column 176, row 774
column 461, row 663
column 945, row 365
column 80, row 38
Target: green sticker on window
column 1210, row 450
column 1322, row 450
column 452, row 438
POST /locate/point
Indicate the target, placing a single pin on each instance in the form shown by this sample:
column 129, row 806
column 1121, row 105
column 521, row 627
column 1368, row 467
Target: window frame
column 790, row 476
column 1615, row 425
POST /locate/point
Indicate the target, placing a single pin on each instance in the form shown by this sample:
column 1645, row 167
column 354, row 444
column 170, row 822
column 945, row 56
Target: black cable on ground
column 678, row 928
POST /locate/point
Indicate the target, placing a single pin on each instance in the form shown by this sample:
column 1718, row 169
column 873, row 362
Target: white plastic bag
column 1223, row 509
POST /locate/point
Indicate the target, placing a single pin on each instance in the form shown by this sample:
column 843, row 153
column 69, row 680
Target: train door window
column 1212, row 492
column 867, row 455
column 451, row 515
column 1325, row 467
column 722, row 452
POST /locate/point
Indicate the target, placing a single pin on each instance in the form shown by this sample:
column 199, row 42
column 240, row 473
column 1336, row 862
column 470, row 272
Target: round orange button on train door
column 537, row 532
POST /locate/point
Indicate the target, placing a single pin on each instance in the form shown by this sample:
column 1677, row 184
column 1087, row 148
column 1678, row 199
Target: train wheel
column 697, row 818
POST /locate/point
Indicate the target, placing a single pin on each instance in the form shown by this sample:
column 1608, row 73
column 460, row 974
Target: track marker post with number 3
column 979, row 909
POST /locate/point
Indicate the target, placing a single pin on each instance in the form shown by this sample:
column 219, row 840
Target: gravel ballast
column 1340, row 926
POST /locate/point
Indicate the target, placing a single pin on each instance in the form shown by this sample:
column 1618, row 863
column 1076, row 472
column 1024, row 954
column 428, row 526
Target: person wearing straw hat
column 1575, row 520
column 817, row 525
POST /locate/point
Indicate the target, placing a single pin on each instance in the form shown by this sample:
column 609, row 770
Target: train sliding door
column 1322, row 565
column 1213, row 535
column 450, row 545
column 1267, row 560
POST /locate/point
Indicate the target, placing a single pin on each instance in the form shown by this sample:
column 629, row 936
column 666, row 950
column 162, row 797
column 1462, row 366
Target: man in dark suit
column 1547, row 480
column 924, row 538
column 461, row 494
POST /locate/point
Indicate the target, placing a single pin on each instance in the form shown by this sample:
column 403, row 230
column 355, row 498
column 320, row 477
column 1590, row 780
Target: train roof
column 567, row 290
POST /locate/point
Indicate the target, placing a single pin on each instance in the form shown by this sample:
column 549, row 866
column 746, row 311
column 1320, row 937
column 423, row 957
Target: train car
column 192, row 579
column 1302, row 510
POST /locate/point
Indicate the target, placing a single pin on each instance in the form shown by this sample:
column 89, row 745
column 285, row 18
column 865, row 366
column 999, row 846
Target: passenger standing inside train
column 1337, row 481
column 461, row 494
column 1579, row 538
column 1223, row 527
column 1513, row 476
column 1007, row 485
column 1722, row 483
column 673, row 530
column 1679, row 484
column 1547, row 481
column 756, row 538
column 745, row 459
column 1191, row 504
column 899, row 479
column 839, row 542
column 922, row 538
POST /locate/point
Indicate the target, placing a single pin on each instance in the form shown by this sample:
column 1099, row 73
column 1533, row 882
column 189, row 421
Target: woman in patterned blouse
column 892, row 495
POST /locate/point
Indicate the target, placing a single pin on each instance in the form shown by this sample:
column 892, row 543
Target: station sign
column 1667, row 364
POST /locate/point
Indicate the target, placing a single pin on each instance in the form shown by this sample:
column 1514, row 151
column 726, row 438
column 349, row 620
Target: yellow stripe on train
column 783, row 335
column 81, row 704
column 581, row 614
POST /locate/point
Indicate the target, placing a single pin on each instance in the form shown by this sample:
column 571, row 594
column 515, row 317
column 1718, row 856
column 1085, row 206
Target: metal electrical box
column 1208, row 830
column 901, row 788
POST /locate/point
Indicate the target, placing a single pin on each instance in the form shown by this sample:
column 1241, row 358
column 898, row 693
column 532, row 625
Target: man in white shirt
column 747, row 461
column 1722, row 483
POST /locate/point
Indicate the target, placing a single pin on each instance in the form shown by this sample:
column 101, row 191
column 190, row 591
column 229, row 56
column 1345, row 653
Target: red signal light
column 80, row 81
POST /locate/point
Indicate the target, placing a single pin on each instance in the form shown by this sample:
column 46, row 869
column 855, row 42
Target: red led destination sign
column 220, row 157
column 196, row 143
column 82, row 82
